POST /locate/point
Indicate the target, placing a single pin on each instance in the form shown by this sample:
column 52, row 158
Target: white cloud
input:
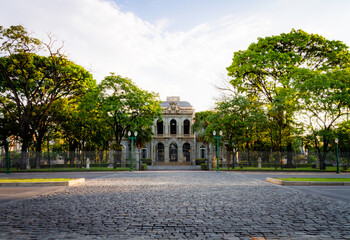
column 102, row 38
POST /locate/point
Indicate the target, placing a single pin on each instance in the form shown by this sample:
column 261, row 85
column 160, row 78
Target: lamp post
column 336, row 141
column 132, row 146
column 8, row 155
column 217, row 148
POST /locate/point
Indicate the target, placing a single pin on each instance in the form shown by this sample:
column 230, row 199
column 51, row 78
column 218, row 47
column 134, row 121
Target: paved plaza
column 176, row 205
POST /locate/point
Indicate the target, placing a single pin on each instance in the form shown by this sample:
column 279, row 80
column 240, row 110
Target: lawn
column 29, row 180
column 315, row 179
column 68, row 169
column 302, row 169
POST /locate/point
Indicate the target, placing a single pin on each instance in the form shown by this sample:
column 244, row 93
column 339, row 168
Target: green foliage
column 30, row 84
column 143, row 167
column 125, row 107
column 295, row 75
column 204, row 166
column 199, row 161
column 147, row 161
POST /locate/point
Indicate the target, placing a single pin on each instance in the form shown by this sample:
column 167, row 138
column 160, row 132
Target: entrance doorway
column 173, row 152
column 160, row 152
column 187, row 151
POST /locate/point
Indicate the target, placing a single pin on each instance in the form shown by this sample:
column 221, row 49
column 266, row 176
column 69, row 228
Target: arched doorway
column 187, row 151
column 160, row 152
column 173, row 152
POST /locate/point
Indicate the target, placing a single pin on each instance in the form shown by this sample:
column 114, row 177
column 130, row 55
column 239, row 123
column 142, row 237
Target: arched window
column 160, row 152
column 186, row 127
column 187, row 151
column 173, row 126
column 173, row 152
column 159, row 127
column 202, row 152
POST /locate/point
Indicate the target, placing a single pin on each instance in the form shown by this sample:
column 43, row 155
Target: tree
column 267, row 69
column 34, row 83
column 125, row 107
column 324, row 97
column 242, row 122
column 201, row 122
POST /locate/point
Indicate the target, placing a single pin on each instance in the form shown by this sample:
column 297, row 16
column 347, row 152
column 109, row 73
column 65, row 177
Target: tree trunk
column 24, row 164
column 71, row 151
column 7, row 147
column 38, row 155
column 38, row 149
column 289, row 155
column 323, row 156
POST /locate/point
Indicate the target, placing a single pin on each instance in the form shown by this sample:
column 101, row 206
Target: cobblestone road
column 176, row 205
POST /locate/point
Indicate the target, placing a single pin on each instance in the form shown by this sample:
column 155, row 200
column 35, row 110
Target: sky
column 171, row 47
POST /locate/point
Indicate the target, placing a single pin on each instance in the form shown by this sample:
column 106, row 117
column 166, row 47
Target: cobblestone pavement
column 176, row 205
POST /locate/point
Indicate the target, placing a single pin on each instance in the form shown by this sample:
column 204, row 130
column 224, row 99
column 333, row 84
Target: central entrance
column 173, row 152
column 187, row 151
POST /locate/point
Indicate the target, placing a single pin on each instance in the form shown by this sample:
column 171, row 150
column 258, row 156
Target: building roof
column 180, row 104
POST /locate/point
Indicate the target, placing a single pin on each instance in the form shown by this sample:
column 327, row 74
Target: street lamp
column 132, row 145
column 336, row 141
column 217, row 148
column 8, row 155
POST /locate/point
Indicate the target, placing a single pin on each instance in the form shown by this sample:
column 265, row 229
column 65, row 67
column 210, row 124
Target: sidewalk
column 9, row 194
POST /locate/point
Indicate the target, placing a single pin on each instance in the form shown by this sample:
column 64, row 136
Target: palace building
column 173, row 141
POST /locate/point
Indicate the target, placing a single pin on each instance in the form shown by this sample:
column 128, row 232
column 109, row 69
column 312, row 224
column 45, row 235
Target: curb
column 44, row 184
column 298, row 183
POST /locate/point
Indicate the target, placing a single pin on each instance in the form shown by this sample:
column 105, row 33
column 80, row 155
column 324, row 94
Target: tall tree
column 33, row 83
column 266, row 71
column 125, row 107
column 324, row 97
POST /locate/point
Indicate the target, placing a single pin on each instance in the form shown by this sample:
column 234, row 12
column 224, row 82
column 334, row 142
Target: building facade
column 173, row 141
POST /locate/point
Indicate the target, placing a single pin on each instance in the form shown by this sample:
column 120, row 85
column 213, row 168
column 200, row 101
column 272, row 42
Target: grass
column 29, row 180
column 302, row 169
column 315, row 179
column 69, row 169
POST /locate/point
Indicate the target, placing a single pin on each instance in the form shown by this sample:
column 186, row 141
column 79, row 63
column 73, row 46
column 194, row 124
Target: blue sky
column 184, row 15
column 172, row 47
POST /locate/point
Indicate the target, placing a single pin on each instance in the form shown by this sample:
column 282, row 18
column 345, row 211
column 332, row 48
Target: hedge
column 204, row 166
column 199, row 161
column 147, row 161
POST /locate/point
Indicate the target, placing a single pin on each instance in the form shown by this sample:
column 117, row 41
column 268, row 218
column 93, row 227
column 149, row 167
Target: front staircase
column 173, row 166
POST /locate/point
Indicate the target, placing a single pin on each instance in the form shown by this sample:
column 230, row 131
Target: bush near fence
column 204, row 166
column 199, row 161
column 147, row 161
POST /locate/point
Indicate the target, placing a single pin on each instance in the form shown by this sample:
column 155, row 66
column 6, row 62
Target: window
column 173, row 126
column 159, row 127
column 186, row 127
column 202, row 152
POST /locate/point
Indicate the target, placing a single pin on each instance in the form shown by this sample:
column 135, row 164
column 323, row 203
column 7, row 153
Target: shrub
column 99, row 165
column 204, row 166
column 199, row 161
column 147, row 161
column 143, row 167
